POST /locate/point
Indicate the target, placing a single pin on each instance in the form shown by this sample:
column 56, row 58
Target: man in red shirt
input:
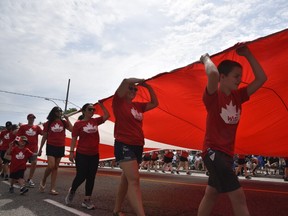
column 31, row 131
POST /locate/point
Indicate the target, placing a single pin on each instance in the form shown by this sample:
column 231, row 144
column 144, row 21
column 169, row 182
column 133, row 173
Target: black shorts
column 167, row 160
column 18, row 174
column 145, row 158
column 2, row 154
column 124, row 152
column 221, row 175
column 183, row 159
column 286, row 163
column 241, row 161
column 55, row 151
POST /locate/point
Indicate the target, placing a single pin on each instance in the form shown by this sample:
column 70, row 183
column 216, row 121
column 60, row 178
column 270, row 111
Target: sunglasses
column 131, row 88
column 91, row 109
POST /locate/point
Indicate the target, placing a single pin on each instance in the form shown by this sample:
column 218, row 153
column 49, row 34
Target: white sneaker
column 88, row 204
column 31, row 183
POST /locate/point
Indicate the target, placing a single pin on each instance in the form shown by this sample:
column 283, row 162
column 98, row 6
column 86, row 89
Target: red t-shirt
column 223, row 115
column 19, row 158
column 169, row 155
column 6, row 137
column 154, row 155
column 88, row 133
column 31, row 132
column 128, row 121
column 56, row 132
column 184, row 154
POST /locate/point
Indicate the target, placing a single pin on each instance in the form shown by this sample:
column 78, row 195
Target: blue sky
column 96, row 44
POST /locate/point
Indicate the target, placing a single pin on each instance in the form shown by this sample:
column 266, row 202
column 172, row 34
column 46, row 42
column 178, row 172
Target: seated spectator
column 272, row 162
column 198, row 162
column 242, row 164
column 286, row 169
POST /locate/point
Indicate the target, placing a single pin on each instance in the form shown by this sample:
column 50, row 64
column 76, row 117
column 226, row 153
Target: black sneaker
column 286, row 179
column 177, row 172
column 23, row 190
column 6, row 178
column 11, row 189
column 248, row 177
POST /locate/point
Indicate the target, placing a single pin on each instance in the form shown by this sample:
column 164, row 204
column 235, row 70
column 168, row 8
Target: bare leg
column 208, row 201
column 32, row 169
column 131, row 173
column 54, row 173
column 238, row 201
column 121, row 193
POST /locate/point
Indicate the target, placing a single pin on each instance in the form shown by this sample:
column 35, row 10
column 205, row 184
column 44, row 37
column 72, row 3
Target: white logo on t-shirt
column 30, row 132
column 89, row 128
column 7, row 136
column 20, row 156
column 136, row 114
column 230, row 115
column 57, row 128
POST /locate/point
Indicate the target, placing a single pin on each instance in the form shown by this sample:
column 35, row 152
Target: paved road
column 163, row 195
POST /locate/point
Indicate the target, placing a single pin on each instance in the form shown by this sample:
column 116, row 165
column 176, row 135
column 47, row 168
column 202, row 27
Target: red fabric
column 179, row 119
column 88, row 134
column 31, row 132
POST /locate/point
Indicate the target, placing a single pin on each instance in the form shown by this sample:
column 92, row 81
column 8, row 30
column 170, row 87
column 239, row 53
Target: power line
column 36, row 96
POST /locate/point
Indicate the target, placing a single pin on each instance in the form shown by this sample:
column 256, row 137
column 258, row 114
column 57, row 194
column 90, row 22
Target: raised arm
column 154, row 101
column 212, row 73
column 259, row 74
column 105, row 111
column 124, row 86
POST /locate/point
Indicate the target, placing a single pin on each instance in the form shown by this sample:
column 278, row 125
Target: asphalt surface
column 163, row 195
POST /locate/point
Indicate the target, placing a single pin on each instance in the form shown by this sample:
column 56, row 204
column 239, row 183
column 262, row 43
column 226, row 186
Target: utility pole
column 66, row 101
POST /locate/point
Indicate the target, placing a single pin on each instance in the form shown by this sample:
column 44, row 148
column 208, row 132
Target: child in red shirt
column 19, row 156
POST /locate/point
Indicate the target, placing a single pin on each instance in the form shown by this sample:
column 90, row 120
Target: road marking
column 74, row 211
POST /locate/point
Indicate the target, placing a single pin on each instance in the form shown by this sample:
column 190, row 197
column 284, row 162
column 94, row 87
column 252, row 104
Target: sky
column 96, row 44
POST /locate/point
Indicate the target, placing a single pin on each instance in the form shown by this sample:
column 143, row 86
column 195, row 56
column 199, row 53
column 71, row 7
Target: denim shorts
column 124, row 152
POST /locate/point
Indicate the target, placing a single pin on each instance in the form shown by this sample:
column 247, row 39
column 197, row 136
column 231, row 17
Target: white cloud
column 98, row 43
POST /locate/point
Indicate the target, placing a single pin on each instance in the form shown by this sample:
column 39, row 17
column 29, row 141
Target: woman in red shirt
column 87, row 153
column 54, row 134
column 129, row 140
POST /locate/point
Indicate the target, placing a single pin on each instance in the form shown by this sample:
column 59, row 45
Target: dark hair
column 226, row 66
column 52, row 116
column 84, row 108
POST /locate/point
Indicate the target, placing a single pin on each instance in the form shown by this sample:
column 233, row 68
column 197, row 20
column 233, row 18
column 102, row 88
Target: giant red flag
column 179, row 120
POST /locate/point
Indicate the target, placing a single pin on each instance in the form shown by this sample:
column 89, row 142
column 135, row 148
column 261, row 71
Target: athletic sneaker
column 23, row 190
column 11, row 189
column 31, row 183
column 70, row 196
column 88, row 204
column 248, row 177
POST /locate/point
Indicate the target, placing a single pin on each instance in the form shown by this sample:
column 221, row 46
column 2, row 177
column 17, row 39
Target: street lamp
column 48, row 99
